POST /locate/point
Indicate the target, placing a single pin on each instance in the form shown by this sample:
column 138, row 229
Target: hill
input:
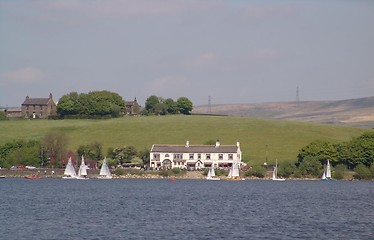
column 353, row 112
column 281, row 139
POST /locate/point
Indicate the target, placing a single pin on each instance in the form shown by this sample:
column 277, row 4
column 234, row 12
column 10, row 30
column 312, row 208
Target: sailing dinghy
column 275, row 173
column 104, row 171
column 69, row 172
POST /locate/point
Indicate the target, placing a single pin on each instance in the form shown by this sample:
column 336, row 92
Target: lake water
column 185, row 209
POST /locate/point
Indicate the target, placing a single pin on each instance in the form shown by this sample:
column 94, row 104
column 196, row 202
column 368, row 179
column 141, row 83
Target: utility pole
column 297, row 94
column 209, row 105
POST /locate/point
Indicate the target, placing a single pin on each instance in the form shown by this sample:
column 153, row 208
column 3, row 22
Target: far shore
column 58, row 173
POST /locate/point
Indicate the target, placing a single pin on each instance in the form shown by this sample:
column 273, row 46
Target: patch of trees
column 52, row 150
column 159, row 106
column 96, row 104
column 356, row 154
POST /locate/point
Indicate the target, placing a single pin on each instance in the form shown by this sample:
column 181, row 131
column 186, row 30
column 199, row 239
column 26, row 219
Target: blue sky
column 235, row 51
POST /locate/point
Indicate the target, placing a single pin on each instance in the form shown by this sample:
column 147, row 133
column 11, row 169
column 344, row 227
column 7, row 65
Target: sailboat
column 212, row 174
column 104, row 171
column 234, row 172
column 82, row 172
column 69, row 172
column 327, row 173
column 275, row 173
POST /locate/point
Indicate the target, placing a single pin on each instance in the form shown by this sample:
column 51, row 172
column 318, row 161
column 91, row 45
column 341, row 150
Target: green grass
column 283, row 138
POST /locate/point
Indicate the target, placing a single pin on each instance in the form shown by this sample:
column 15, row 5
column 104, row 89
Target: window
column 199, row 156
column 191, row 156
column 220, row 156
column 208, row 156
column 167, row 155
column 230, row 156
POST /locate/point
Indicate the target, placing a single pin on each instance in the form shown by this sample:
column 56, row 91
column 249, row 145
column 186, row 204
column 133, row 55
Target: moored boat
column 32, row 177
column 105, row 171
column 211, row 174
column 275, row 173
column 69, row 172
column 234, row 173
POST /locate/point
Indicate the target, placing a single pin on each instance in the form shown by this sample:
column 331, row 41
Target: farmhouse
column 194, row 156
column 132, row 107
column 38, row 107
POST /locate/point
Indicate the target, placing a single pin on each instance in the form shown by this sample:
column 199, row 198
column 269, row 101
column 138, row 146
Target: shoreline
column 94, row 174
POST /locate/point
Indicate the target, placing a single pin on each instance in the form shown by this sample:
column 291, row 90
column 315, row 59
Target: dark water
column 185, row 209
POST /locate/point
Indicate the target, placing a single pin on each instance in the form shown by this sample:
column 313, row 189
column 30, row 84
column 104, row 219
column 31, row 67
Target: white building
column 194, row 156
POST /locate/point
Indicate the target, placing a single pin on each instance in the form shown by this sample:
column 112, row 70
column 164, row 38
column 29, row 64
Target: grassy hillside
column 352, row 112
column 283, row 138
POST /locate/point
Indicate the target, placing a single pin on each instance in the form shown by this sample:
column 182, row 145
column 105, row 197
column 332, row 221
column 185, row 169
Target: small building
column 12, row 112
column 194, row 157
column 132, row 107
column 38, row 107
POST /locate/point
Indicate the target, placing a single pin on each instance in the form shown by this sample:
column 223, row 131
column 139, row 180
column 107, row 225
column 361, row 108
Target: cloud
column 26, row 75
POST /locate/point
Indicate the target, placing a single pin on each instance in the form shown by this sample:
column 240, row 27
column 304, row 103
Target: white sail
column 212, row 174
column 275, row 173
column 235, row 170
column 82, row 172
column 69, row 170
column 104, row 171
column 230, row 173
column 324, row 175
column 328, row 170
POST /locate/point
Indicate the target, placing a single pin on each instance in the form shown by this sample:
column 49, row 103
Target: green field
column 282, row 138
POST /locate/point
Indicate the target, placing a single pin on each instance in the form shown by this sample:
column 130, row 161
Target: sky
column 228, row 51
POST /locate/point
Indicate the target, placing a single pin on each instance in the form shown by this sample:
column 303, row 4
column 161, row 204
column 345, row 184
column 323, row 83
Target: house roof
column 37, row 101
column 194, row 149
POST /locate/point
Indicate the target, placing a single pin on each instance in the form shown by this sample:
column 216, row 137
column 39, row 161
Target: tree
column 96, row 103
column 68, row 104
column 20, row 152
column 311, row 166
column 184, row 105
column 124, row 154
column 55, row 146
column 319, row 150
column 151, row 102
column 360, row 150
column 171, row 106
column 91, row 151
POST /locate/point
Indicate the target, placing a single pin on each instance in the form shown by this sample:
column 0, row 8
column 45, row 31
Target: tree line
column 106, row 104
column 52, row 150
column 356, row 154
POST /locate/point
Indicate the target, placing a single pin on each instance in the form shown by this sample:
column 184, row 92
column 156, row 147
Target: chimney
column 217, row 143
column 187, row 143
column 237, row 144
column 50, row 96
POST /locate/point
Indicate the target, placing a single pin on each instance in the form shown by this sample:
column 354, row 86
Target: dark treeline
column 105, row 104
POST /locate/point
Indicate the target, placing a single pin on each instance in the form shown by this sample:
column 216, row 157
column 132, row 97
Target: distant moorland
column 352, row 112
column 281, row 139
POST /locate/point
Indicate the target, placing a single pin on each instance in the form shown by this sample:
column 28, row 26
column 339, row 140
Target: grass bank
column 280, row 139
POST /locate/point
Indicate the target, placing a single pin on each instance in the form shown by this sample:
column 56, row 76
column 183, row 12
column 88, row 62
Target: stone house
column 195, row 156
column 38, row 107
column 132, row 107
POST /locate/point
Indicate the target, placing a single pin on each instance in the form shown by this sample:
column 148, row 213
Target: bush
column 339, row 171
column 256, row 171
column 119, row 171
column 362, row 172
column 286, row 169
column 164, row 173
